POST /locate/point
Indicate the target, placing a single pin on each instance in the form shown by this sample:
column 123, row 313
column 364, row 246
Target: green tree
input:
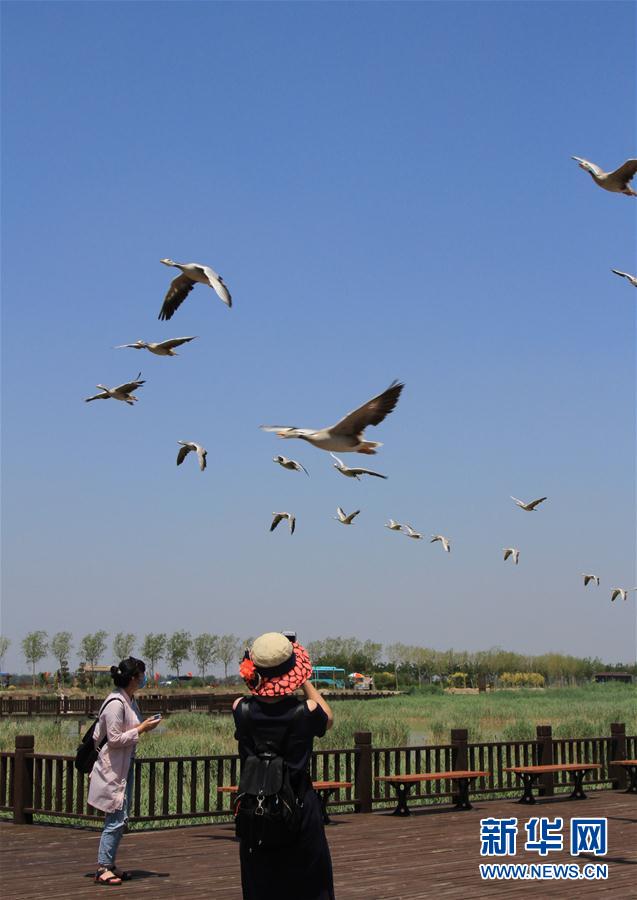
column 177, row 649
column 61, row 644
column 228, row 650
column 5, row 643
column 92, row 648
column 123, row 645
column 204, row 651
column 35, row 647
column 153, row 650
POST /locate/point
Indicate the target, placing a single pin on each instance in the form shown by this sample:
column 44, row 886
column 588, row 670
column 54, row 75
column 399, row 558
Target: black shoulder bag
column 87, row 753
column 267, row 812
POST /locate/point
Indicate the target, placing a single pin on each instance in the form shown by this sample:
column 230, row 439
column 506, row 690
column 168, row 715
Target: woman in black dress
column 273, row 670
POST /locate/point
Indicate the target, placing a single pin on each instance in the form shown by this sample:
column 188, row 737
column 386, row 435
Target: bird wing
column 587, row 578
column 507, row 554
column 130, row 386
column 535, row 503
column 353, row 515
column 183, row 453
column 179, row 289
column 121, row 346
column 102, row 396
column 292, row 521
column 371, row 413
column 519, row 502
column 340, row 512
column 216, row 282
column 275, row 521
column 301, row 466
column 367, row 472
column 174, row 342
column 615, row 594
column 340, row 462
column 201, row 456
column 278, row 427
column 616, row 271
column 626, row 172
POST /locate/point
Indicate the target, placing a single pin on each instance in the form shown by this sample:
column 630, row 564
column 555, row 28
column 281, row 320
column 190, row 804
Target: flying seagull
column 291, row 464
column 411, row 533
column 121, row 392
column 182, row 285
column 621, row 592
column 443, row 540
column 393, row 526
column 589, row 578
column 347, row 435
column 632, row 279
column 353, row 473
column 343, row 519
column 617, row 181
column 278, row 516
column 529, row 507
column 164, row 348
column 512, row 551
column 187, row 447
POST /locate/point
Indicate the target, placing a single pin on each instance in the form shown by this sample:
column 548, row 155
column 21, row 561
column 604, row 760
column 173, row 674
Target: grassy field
column 420, row 718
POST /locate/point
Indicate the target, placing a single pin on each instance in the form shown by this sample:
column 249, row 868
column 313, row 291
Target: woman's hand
column 148, row 724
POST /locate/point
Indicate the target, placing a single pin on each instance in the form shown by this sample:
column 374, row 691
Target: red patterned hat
column 274, row 666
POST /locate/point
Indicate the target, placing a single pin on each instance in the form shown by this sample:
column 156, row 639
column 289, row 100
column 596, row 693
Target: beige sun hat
column 275, row 666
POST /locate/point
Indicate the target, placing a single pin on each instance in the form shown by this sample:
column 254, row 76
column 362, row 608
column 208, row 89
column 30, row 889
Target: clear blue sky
column 388, row 191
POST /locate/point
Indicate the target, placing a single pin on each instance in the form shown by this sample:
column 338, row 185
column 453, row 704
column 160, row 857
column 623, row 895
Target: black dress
column 303, row 870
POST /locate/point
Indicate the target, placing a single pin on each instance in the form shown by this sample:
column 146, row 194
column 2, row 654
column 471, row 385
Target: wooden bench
column 322, row 788
column 631, row 765
column 404, row 783
column 528, row 774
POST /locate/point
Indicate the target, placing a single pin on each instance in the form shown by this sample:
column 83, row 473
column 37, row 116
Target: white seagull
column 187, row 447
column 163, row 348
column 347, row 435
column 632, row 279
column 182, row 285
column 512, row 551
column 353, row 473
column 278, row 516
column 621, row 592
column 617, row 181
column 412, row 533
column 529, row 507
column 446, row 543
column 342, row 518
column 393, row 526
column 589, row 578
column 290, row 464
column 122, row 392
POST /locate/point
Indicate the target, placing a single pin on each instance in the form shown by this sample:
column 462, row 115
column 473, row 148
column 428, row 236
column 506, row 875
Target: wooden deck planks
column 433, row 854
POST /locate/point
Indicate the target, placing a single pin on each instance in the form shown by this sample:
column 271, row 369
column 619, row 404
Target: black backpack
column 87, row 753
column 267, row 812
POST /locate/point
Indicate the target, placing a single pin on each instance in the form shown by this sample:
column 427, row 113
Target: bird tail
column 368, row 447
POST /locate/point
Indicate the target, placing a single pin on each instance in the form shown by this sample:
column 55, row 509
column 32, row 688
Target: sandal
column 112, row 879
column 119, row 873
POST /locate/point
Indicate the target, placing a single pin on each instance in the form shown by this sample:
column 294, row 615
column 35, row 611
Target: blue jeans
column 114, row 825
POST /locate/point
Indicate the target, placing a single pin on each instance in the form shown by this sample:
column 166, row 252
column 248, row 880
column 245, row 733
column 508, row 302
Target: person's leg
column 114, row 825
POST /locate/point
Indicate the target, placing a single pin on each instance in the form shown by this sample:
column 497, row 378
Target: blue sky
column 387, row 190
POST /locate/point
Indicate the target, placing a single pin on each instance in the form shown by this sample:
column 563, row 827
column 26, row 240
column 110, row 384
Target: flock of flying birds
column 347, row 435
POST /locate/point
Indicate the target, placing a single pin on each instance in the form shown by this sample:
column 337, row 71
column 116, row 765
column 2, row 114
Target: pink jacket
column 108, row 778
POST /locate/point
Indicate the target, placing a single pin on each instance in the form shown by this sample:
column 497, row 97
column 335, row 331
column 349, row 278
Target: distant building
column 601, row 677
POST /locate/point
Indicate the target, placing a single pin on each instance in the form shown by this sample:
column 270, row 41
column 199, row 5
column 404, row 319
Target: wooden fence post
column 23, row 778
column 459, row 753
column 363, row 771
column 544, row 737
column 618, row 774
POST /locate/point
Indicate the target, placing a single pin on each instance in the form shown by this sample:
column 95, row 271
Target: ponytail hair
column 126, row 670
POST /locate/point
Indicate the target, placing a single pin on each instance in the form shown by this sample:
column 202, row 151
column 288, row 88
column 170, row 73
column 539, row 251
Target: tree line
column 410, row 663
column 203, row 649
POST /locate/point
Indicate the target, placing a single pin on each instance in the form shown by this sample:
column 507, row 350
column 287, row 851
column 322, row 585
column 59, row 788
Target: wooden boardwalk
column 432, row 854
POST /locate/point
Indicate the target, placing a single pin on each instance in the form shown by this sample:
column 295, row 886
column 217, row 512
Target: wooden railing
column 182, row 790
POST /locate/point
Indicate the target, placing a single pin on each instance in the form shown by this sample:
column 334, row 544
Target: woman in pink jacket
column 111, row 781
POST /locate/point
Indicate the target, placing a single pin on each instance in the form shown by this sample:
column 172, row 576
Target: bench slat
column 431, row 776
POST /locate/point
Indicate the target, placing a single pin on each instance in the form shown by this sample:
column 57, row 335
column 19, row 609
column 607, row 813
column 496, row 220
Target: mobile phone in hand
column 157, row 717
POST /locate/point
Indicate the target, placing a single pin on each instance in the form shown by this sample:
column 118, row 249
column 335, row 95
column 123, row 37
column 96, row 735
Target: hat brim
column 280, row 685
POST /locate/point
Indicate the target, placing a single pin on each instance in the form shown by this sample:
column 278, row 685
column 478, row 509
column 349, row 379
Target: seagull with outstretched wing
column 512, row 552
column 393, row 525
column 618, row 181
column 347, row 435
column 621, row 592
column 356, row 473
column 529, row 507
column 412, row 533
column 279, row 516
column 343, row 518
column 181, row 286
column 162, row 348
column 190, row 447
column 123, row 392
column 446, row 543
column 291, row 464
column 588, row 578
